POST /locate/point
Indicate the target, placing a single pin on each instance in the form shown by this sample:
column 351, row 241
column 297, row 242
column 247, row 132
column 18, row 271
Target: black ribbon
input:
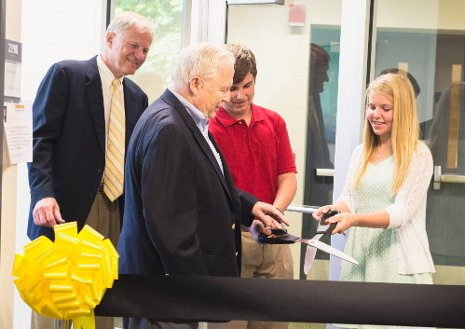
column 190, row 298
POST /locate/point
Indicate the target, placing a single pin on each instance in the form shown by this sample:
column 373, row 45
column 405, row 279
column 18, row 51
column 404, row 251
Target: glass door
column 321, row 125
column 429, row 44
column 297, row 53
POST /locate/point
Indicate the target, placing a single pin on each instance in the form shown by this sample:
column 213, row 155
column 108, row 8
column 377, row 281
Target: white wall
column 8, row 209
column 54, row 30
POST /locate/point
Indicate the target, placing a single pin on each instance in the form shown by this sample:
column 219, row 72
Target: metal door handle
column 439, row 178
column 326, row 172
column 302, row 208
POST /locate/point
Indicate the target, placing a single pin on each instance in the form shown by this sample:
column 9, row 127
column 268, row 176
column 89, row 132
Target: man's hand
column 323, row 210
column 47, row 213
column 257, row 227
column 269, row 216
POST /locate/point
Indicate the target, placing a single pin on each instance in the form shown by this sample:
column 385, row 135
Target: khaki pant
column 41, row 322
column 104, row 216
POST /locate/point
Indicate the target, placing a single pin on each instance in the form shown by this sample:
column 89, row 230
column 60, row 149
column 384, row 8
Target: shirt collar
column 227, row 120
column 199, row 118
column 105, row 73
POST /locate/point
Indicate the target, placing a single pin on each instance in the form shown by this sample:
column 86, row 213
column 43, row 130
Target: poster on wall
column 13, row 53
column 17, row 120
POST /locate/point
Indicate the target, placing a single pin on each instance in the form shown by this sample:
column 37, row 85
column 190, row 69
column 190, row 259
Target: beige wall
column 422, row 14
column 9, row 176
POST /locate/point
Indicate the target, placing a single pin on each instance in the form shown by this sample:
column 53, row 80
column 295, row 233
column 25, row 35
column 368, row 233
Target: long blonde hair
column 405, row 130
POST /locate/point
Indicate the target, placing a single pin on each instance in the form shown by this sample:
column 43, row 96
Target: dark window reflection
column 321, row 123
column 430, row 58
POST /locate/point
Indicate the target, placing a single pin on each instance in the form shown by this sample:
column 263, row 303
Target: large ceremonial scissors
column 280, row 236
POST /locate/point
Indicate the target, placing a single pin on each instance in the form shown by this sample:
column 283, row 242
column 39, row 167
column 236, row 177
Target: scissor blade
column 310, row 254
column 316, row 237
column 330, row 250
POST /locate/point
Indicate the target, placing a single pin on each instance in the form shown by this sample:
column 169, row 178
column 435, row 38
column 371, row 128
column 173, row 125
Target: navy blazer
column 182, row 214
column 69, row 138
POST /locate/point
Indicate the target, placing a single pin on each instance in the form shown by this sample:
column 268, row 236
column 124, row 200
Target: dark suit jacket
column 182, row 215
column 69, row 138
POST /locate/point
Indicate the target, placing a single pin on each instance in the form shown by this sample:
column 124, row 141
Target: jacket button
column 233, row 226
column 237, row 253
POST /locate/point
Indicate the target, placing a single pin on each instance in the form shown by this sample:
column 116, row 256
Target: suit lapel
column 131, row 116
column 169, row 98
column 129, row 101
column 94, row 95
column 227, row 176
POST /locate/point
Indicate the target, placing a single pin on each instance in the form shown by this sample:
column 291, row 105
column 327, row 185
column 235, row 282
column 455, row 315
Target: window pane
column 427, row 39
column 170, row 32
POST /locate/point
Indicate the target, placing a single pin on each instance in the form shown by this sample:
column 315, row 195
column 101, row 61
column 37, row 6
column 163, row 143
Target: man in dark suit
column 182, row 212
column 71, row 120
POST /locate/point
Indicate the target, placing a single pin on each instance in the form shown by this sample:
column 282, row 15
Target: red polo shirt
column 256, row 154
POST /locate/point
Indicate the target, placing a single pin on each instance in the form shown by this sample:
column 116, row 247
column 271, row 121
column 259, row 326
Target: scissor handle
column 277, row 236
column 323, row 227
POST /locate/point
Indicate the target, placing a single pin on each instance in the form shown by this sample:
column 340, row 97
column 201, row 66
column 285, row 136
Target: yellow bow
column 67, row 278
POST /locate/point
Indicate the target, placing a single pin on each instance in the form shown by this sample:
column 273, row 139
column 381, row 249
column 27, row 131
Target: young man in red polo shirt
column 256, row 147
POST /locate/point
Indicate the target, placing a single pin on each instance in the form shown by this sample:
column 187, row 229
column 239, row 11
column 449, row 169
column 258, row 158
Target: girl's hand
column 344, row 221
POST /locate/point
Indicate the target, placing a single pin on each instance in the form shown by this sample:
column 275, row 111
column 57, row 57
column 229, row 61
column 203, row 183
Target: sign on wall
column 13, row 53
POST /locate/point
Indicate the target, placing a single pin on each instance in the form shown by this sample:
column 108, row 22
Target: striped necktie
column 113, row 175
